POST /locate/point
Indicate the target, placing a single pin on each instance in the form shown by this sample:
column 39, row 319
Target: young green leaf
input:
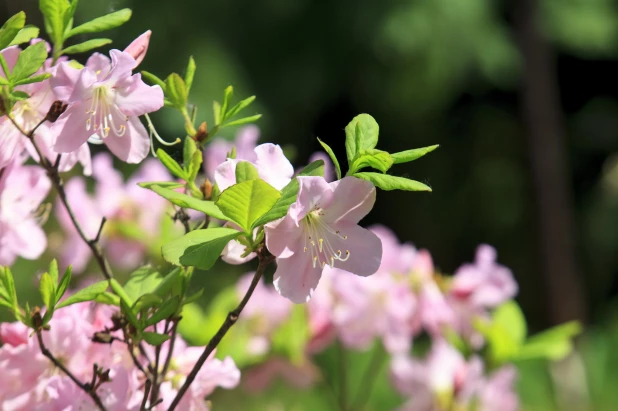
column 168, row 282
column 128, row 312
column 246, row 171
column 289, row 193
column 176, row 91
column 86, row 46
column 25, row 35
column 192, row 158
column 164, row 184
column 190, row 73
column 411, row 155
column 54, row 12
column 29, row 61
column 85, row 294
column 11, row 28
column 34, row 79
column 333, row 158
column 47, row 289
column 154, row 80
column 64, row 284
column 245, row 202
column 9, row 286
column 142, row 281
column 120, row 292
column 171, row 164
column 239, row 107
column 246, row 120
column 108, row 298
column 378, row 159
column 510, row 316
column 216, row 111
column 184, row 201
column 69, row 14
column 154, row 338
column 229, row 92
column 199, row 248
column 53, row 271
column 553, row 344
column 146, row 302
column 360, row 134
column 167, row 309
column 387, row 183
column 107, row 22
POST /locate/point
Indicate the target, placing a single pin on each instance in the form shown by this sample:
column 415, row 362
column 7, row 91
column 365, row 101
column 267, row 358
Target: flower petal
column 133, row 146
column 63, row 80
column 99, row 64
column 296, row 278
column 70, row 128
column 355, row 198
column 122, row 66
column 12, row 143
column 135, row 98
column 272, row 165
column 364, row 246
column 138, row 47
column 225, row 174
column 283, row 237
column 313, row 192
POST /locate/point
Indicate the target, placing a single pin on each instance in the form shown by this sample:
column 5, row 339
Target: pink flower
column 321, row 228
column 22, row 190
column 497, row 392
column 484, row 284
column 216, row 152
column 265, row 311
column 442, row 381
column 122, row 204
column 138, row 47
column 27, row 114
column 329, row 168
column 105, row 101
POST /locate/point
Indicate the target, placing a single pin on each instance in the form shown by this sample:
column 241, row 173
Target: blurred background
column 520, row 95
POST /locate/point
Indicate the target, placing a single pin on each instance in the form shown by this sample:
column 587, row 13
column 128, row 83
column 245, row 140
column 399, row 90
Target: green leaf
column 378, row 159
column 53, row 271
column 387, row 183
column 9, row 285
column 142, row 281
column 512, row 319
column 199, row 248
column 108, row 298
column 64, row 284
column 47, row 289
column 20, row 95
column 190, row 73
column 131, row 317
column 229, row 92
column 54, row 12
column 185, row 201
column 239, row 107
column 107, row 22
column 167, row 309
column 3, row 81
column 411, row 155
column 192, row 298
column 11, row 28
column 360, row 134
column 25, row 35
column 246, row 171
column 171, row 164
column 216, row 110
column 192, row 158
column 164, row 184
column 333, row 158
column 176, row 91
column 154, row 338
column 29, row 61
column 86, row 294
column 553, row 344
column 245, row 120
column 289, row 193
column 86, row 46
column 120, row 292
column 168, row 282
column 246, row 202
column 69, row 14
column 34, row 79
column 146, row 301
column 154, row 80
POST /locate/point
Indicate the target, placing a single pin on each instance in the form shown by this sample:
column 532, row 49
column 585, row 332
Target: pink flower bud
column 138, row 48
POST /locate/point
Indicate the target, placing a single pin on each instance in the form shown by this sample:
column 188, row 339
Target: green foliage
column 86, row 46
column 332, row 156
column 190, row 73
column 153, row 79
column 29, row 61
column 199, row 248
column 387, row 183
column 246, row 202
column 411, row 155
column 85, row 294
column 223, row 113
column 176, row 92
column 378, row 159
column 54, row 16
column 103, row 23
column 171, row 164
column 25, row 35
column 154, row 338
column 246, row 171
column 554, row 344
column 11, row 28
column 192, row 159
column 360, row 134
column 185, row 201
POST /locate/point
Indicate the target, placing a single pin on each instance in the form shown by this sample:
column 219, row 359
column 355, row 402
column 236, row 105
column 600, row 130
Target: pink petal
column 272, row 165
column 135, row 98
column 364, row 246
column 133, row 146
column 296, row 278
column 138, row 47
column 122, row 66
column 100, row 64
column 84, row 86
column 63, row 80
column 313, row 192
column 329, row 168
column 10, row 54
column 355, row 198
column 70, row 128
column 233, row 251
column 12, row 143
column 246, row 140
column 283, row 237
column 27, row 239
column 225, row 174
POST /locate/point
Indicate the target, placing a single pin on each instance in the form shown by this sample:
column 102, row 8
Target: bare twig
column 146, row 392
column 170, row 350
column 265, row 259
column 87, row 388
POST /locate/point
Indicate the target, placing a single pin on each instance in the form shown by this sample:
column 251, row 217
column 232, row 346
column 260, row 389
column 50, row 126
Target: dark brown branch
column 170, row 350
column 265, row 259
column 146, row 392
column 87, row 388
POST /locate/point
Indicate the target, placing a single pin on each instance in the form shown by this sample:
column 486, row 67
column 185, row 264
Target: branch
column 87, row 388
column 265, row 259
column 52, row 171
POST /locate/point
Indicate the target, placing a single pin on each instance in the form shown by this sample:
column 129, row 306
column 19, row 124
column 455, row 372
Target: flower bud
column 137, row 49
column 56, row 109
column 202, row 132
column 206, row 189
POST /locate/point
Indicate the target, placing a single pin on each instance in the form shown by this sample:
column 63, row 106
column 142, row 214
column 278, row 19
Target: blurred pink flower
column 105, row 101
column 22, row 190
column 138, row 47
column 216, row 152
column 321, row 228
column 498, row 391
column 329, row 168
column 124, row 206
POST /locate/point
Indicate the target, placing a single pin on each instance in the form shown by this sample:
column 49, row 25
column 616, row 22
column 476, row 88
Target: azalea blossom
column 22, row 190
column 321, row 228
column 216, row 152
column 138, row 47
column 105, row 101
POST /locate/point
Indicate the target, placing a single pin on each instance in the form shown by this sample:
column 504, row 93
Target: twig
column 87, row 388
column 369, row 377
column 52, row 171
column 155, row 372
column 146, row 392
column 170, row 351
column 265, row 259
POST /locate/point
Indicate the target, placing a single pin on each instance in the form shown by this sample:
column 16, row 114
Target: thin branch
column 146, row 392
column 265, row 259
column 170, row 351
column 87, row 388
column 98, row 236
column 155, row 372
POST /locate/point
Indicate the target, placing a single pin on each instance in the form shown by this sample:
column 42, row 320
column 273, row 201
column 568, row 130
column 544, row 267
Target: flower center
column 104, row 116
column 317, row 241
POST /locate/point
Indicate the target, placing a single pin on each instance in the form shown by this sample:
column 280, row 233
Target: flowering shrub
column 119, row 343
